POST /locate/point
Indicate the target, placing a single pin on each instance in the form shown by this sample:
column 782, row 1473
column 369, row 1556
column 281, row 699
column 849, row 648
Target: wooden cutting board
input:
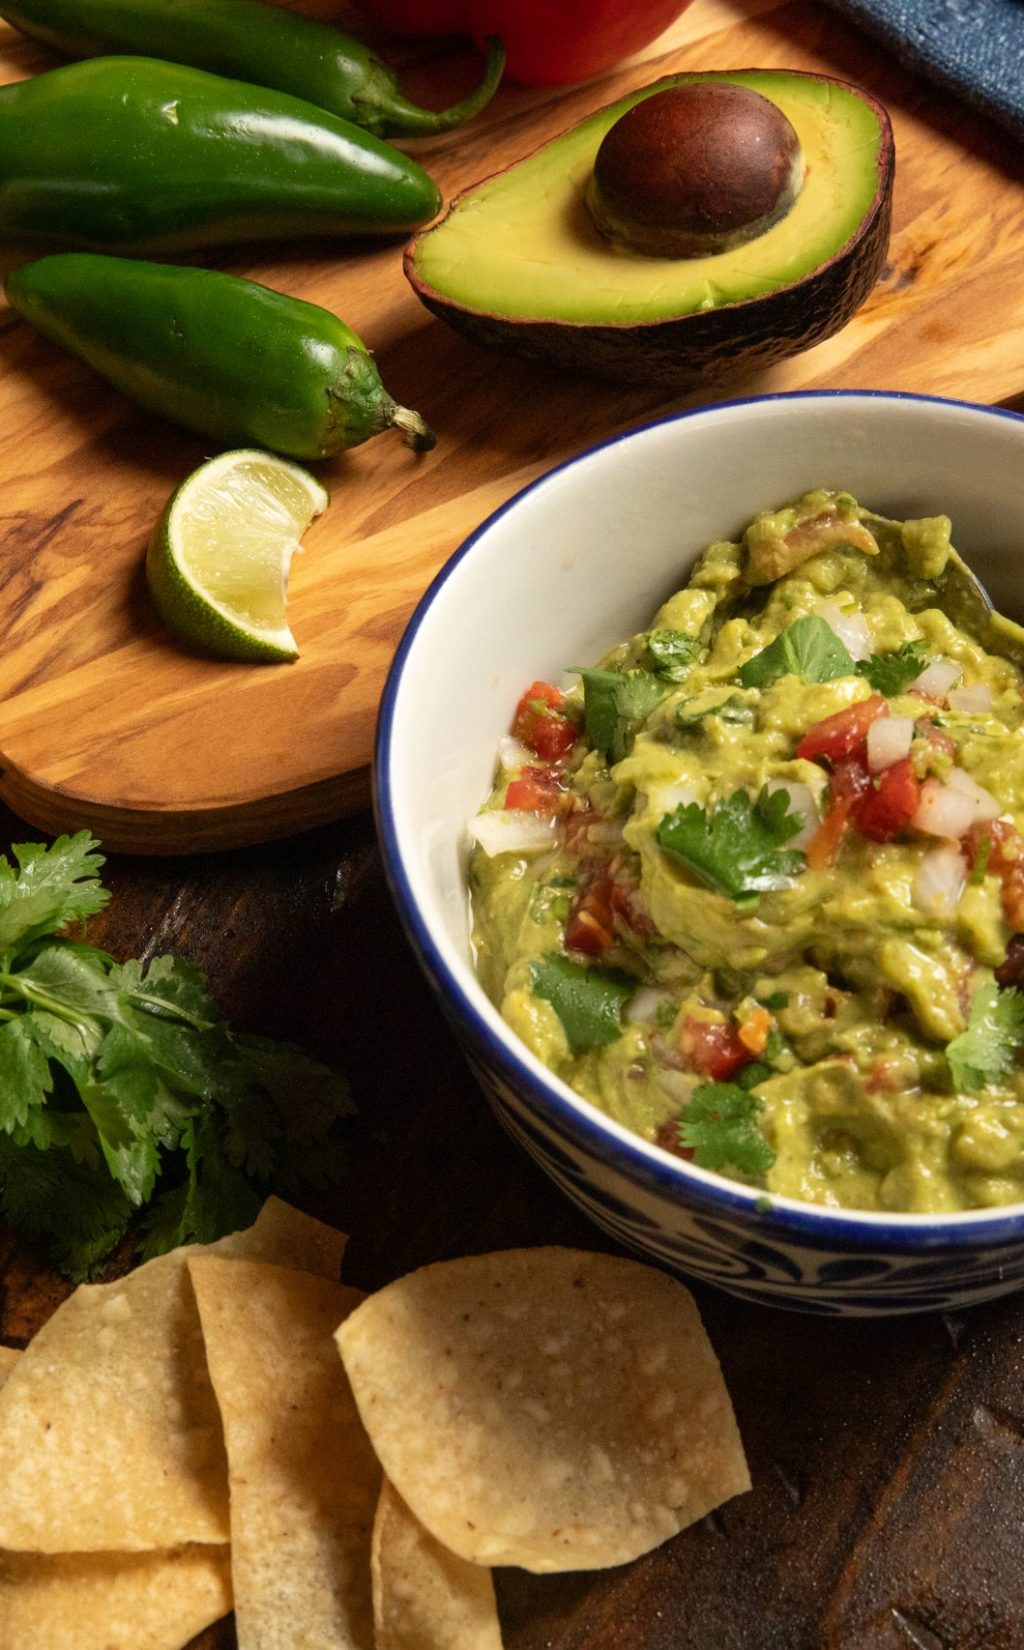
column 105, row 722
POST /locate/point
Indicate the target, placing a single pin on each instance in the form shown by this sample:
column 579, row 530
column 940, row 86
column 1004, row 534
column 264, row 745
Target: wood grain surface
column 104, row 721
column 887, row 1458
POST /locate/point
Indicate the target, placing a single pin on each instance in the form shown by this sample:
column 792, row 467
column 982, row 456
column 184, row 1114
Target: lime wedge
column 218, row 560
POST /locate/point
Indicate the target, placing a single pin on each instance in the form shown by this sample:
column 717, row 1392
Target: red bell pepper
column 547, row 42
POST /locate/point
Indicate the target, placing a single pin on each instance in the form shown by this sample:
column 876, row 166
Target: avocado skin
column 703, row 347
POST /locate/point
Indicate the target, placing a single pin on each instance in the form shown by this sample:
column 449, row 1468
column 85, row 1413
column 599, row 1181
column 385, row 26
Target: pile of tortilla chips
column 187, row 1438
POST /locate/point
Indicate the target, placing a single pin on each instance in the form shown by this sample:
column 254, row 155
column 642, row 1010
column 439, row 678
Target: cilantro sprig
column 892, row 673
column 124, row 1094
column 989, row 1047
column 719, row 1125
column 808, row 648
column 616, row 704
column 671, row 652
column 588, row 1001
column 736, row 848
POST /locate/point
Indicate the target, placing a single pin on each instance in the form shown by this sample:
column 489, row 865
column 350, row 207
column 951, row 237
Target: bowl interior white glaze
column 581, row 560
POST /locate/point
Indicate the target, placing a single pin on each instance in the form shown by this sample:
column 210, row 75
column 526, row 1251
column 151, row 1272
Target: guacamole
column 755, row 884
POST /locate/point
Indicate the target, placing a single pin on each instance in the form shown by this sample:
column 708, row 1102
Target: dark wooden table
column 888, row 1458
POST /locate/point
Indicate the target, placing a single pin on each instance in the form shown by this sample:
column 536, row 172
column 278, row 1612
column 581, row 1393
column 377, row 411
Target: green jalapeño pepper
column 219, row 354
column 249, row 40
column 128, row 154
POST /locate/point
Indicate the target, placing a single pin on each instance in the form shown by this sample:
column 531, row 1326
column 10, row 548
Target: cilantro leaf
column 615, row 706
column 122, row 1087
column 734, row 711
column 892, row 673
column 588, row 1001
column 25, row 1079
column 720, row 1126
column 987, row 1050
column 737, row 848
column 672, row 652
column 809, row 648
column 47, row 1195
column 52, row 886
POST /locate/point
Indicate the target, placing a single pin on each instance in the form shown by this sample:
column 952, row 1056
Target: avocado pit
column 695, row 170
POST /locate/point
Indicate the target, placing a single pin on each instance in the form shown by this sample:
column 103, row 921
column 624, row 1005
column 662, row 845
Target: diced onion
column 644, row 1004
column 512, row 831
column 605, row 831
column 849, row 625
column 889, row 740
column 678, row 1085
column 801, row 803
column 939, row 882
column 513, row 754
column 971, row 701
column 984, row 803
column 664, row 799
column 936, row 679
column 943, row 811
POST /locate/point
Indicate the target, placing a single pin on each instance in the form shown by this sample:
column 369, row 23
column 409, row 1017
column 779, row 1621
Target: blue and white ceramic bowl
column 562, row 572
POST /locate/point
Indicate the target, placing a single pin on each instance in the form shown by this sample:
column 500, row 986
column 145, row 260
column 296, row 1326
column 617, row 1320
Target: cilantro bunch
column 123, row 1091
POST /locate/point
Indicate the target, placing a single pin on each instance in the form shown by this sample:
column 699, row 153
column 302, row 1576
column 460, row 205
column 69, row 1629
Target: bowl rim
column 821, row 1227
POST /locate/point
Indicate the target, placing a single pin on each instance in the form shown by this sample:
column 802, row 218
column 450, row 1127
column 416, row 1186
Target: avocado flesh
column 522, row 245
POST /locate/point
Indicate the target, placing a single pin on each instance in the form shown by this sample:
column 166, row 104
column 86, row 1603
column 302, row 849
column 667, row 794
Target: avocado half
column 518, row 264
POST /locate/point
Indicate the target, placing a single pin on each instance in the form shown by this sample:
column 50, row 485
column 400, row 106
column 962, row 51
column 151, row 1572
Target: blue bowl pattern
column 785, row 1254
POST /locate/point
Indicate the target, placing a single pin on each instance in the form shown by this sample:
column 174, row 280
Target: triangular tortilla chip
column 424, row 1597
column 110, row 1436
column 545, row 1408
column 9, row 1359
column 304, row 1478
column 111, row 1601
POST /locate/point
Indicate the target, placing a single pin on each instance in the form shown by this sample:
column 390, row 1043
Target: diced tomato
column 1011, row 969
column 537, row 790
column 753, row 1033
column 541, row 724
column 713, row 1047
column 838, row 736
column 1005, row 857
column 886, row 810
column 941, row 742
column 591, row 924
column 850, row 782
column 666, row 1135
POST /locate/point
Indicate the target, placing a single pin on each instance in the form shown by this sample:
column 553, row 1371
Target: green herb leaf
column 737, row 848
column 672, row 652
column 777, row 1000
column 616, row 704
column 734, row 711
column 25, row 1078
column 809, row 648
column 988, row 1049
column 52, row 886
column 588, row 1001
column 720, row 1126
column 47, row 1196
column 892, row 673
column 122, row 1086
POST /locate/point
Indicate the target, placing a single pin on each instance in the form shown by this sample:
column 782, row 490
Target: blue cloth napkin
column 973, row 47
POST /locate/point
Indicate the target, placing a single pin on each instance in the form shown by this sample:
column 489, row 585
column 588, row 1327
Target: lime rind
column 219, row 556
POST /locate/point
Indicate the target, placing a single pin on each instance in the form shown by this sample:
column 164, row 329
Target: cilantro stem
column 52, row 1005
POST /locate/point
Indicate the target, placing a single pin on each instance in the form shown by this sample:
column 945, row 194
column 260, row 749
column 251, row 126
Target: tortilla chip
column 110, row 1436
column 284, row 1236
column 304, row 1479
column 424, row 1597
column 111, row 1601
column 544, row 1407
column 9, row 1359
